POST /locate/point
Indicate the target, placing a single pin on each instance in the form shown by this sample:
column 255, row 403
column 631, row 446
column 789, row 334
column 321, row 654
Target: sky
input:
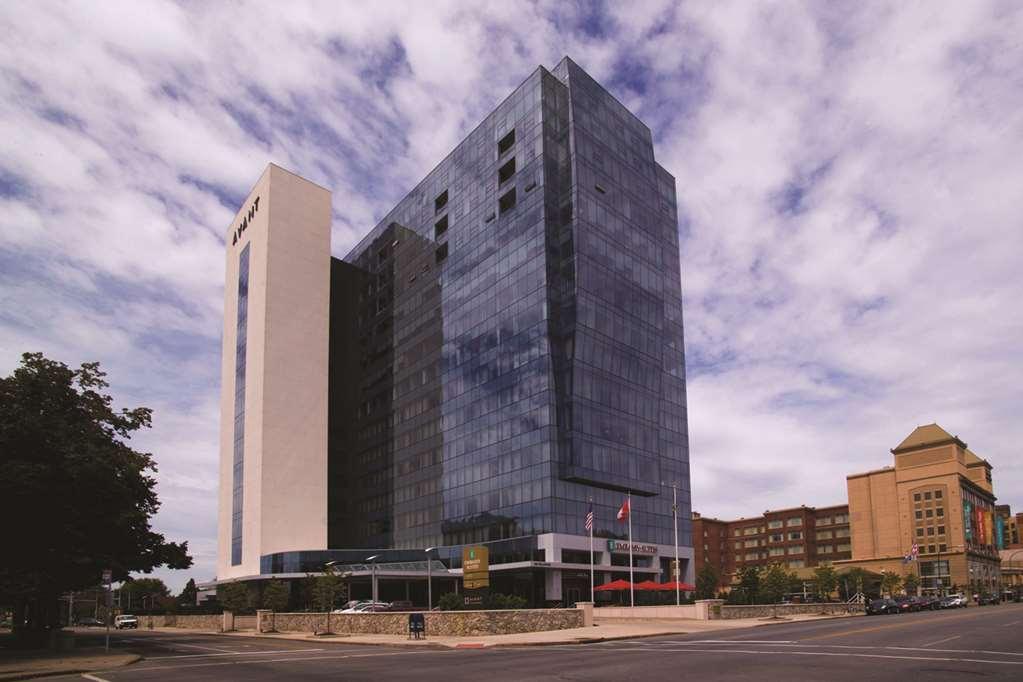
column 849, row 179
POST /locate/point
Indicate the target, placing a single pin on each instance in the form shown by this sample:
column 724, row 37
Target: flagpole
column 591, row 554
column 632, row 581
column 676, row 574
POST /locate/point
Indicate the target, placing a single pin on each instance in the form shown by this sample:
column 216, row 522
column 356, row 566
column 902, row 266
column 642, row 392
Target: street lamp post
column 429, row 579
column 676, row 571
column 330, row 607
column 373, row 569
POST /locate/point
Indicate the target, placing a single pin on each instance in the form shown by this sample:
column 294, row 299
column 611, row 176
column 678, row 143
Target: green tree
column 142, row 593
column 853, row 581
column 275, row 595
column 749, row 584
column 327, row 590
column 189, row 593
column 706, row 582
column 825, row 580
column 774, row 583
column 235, row 597
column 911, row 582
column 890, row 582
column 84, row 497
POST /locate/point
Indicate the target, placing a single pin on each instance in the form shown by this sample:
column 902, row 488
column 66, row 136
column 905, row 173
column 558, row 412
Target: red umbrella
column 648, row 585
column 683, row 587
column 614, row 585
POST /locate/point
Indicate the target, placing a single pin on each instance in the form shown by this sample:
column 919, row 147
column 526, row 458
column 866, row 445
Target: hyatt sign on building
column 504, row 346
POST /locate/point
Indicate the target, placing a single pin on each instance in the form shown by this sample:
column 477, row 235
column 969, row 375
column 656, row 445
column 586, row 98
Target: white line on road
column 142, row 668
column 175, row 642
column 94, row 678
column 234, row 653
column 940, row 641
column 791, row 645
column 789, row 652
column 1015, row 622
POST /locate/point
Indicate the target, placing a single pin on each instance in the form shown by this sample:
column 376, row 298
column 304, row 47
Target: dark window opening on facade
column 441, row 227
column 505, row 172
column 442, row 252
column 441, row 201
column 506, row 142
column 506, row 203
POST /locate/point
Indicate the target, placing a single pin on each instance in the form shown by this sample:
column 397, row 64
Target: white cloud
column 886, row 296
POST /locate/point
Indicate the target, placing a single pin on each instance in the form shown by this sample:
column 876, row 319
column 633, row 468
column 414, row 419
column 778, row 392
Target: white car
column 122, row 622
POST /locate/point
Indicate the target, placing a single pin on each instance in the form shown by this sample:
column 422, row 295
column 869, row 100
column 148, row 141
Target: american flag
column 589, row 517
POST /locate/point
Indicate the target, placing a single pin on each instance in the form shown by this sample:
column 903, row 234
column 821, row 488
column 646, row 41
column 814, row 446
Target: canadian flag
column 623, row 513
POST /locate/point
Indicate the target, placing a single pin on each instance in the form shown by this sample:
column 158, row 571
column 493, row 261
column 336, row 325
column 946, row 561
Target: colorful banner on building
column 989, row 538
column 968, row 520
column 999, row 533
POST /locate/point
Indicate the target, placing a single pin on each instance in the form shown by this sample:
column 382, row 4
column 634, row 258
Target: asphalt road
column 975, row 643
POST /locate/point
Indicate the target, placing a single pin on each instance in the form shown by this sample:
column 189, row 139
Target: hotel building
column 938, row 497
column 503, row 349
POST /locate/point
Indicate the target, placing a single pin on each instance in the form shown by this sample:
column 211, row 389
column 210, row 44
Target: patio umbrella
column 648, row 585
column 613, row 585
column 683, row 587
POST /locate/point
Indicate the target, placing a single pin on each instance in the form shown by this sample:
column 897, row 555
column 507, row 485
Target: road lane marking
column 234, row 653
column 941, row 641
column 841, row 654
column 837, row 646
column 174, row 643
column 1015, row 622
column 142, row 668
column 909, row 623
column 94, row 678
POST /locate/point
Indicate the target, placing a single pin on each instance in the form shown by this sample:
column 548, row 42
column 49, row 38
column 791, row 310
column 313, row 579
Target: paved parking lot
column 982, row 642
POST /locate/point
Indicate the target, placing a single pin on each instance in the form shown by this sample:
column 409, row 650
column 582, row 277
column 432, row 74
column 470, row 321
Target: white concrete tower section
column 273, row 404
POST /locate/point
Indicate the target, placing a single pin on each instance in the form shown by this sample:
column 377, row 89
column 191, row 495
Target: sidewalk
column 601, row 632
column 35, row 664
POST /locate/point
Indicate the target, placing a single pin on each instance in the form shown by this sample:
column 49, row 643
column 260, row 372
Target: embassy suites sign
column 244, row 224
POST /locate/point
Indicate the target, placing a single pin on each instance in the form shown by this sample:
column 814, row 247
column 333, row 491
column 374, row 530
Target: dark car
column 90, row 622
column 928, row 603
column 881, row 607
column 402, row 605
column 986, row 599
column 907, row 604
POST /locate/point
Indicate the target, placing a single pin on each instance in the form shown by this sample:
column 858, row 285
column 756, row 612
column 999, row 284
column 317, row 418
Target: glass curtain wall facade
column 507, row 343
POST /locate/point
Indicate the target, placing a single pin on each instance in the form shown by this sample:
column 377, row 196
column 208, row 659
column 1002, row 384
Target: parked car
column 881, row 607
column 986, row 599
column 401, row 605
column 366, row 607
column 929, row 603
column 907, row 604
column 953, row 601
column 89, row 622
column 126, row 622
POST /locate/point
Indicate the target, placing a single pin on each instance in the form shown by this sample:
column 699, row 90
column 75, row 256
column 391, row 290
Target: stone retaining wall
column 453, row 623
column 213, row 623
column 684, row 611
column 783, row 610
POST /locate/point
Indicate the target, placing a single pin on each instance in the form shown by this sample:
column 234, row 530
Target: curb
column 5, row 677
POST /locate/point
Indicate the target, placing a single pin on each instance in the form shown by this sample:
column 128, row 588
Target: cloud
column 848, row 181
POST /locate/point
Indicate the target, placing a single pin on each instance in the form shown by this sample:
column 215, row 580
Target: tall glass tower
column 505, row 351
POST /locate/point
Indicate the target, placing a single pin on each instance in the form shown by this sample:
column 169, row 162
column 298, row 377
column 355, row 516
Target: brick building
column 799, row 537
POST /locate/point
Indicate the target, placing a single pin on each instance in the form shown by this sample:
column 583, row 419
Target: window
column 794, row 521
column 824, row 535
column 505, row 172
column 824, row 549
column 928, row 513
column 824, row 521
column 937, row 494
column 440, row 202
column 777, row 537
column 919, row 532
column 506, row 142
column 842, row 518
column 442, row 252
column 738, row 545
column 796, row 535
column 940, row 511
column 751, row 543
column 930, row 530
column 751, row 556
column 440, row 227
column 506, row 203
column 798, row 563
column 942, row 548
column 941, row 530
column 843, row 548
column 777, row 551
column 919, row 513
column 930, row 549
column 842, row 533
column 737, row 532
column 916, row 497
column 795, row 549
column 927, row 495
column 775, row 524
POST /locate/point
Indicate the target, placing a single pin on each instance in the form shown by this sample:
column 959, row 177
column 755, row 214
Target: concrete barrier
column 646, row 612
column 784, row 610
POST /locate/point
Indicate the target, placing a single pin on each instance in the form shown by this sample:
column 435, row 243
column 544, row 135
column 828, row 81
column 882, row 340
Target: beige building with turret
column 937, row 498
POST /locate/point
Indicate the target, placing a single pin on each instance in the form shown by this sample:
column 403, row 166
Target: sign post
column 107, row 575
column 475, row 573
